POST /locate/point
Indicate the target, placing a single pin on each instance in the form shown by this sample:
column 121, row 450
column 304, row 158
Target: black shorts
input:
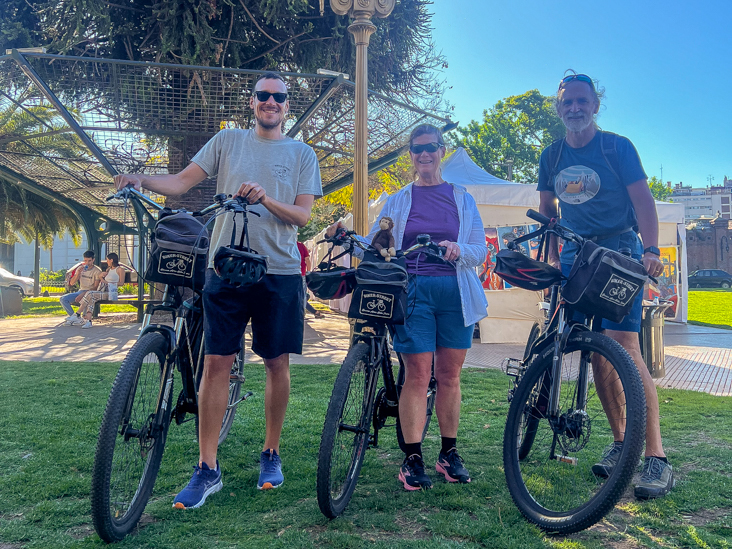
column 276, row 307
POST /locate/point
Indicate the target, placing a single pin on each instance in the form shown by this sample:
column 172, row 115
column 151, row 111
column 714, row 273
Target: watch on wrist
column 652, row 250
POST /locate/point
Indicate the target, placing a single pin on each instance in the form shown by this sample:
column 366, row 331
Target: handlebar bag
column 603, row 282
column 178, row 250
column 381, row 290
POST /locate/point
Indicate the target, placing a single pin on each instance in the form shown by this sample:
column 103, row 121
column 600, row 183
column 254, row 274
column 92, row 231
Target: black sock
column 448, row 444
column 413, row 448
column 664, row 459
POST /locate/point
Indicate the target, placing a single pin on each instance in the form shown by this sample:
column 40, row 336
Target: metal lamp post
column 362, row 28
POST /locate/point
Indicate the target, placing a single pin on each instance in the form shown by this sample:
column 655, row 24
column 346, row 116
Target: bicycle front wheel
column 130, row 445
column 346, row 431
column 600, row 400
column 531, row 420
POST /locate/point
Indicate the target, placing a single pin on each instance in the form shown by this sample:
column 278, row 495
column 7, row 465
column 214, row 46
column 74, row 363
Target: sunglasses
column 580, row 77
column 429, row 147
column 264, row 96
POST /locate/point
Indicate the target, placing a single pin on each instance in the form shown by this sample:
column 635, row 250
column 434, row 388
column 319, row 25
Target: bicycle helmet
column 524, row 272
column 333, row 284
column 239, row 267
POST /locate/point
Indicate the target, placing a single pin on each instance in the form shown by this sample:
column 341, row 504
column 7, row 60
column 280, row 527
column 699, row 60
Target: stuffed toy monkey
column 383, row 240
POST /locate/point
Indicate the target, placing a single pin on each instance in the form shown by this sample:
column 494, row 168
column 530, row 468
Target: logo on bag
column 619, row 290
column 376, row 304
column 176, row 264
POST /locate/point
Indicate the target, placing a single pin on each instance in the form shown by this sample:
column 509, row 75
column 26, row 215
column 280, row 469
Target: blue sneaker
column 270, row 471
column 205, row 481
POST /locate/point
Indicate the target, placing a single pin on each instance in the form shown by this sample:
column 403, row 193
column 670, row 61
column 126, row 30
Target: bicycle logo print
column 176, row 264
column 619, row 290
column 376, row 304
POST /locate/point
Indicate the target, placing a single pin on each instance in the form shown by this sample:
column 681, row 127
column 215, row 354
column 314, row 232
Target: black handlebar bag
column 178, row 251
column 381, row 290
column 603, row 282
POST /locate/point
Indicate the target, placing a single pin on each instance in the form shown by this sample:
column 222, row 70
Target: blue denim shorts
column 434, row 317
column 632, row 321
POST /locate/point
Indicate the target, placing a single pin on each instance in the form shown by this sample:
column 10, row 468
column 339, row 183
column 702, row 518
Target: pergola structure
column 68, row 124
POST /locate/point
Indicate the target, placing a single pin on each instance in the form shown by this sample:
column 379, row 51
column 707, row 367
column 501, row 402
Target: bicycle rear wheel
column 553, row 485
column 346, row 431
column 130, row 447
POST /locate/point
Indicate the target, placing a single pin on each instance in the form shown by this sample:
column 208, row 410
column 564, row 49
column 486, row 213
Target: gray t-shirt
column 284, row 168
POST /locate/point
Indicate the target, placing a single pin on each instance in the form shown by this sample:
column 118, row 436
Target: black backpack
column 178, row 250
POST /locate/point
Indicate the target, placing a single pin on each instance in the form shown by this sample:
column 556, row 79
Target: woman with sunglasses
column 445, row 301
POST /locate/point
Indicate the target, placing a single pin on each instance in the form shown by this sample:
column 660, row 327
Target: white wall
column 65, row 254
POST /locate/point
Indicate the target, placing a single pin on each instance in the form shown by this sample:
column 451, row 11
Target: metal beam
column 373, row 167
column 70, row 120
column 308, row 114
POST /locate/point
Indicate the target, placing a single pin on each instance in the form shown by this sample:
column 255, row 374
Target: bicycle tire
column 431, row 395
column 125, row 467
column 342, row 449
column 532, row 420
column 563, row 495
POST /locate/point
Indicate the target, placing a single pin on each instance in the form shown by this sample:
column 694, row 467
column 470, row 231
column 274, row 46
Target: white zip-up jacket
column 471, row 239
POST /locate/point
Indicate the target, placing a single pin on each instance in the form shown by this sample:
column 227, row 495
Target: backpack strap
column 609, row 147
column 554, row 154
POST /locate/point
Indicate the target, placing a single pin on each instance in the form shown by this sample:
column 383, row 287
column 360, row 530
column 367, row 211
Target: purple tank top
column 433, row 212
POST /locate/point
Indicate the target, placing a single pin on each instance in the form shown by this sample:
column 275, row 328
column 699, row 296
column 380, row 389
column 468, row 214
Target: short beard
column 574, row 126
column 266, row 125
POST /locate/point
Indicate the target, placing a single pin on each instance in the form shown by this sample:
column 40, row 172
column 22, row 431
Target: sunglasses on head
column 580, row 77
column 264, row 96
column 429, row 147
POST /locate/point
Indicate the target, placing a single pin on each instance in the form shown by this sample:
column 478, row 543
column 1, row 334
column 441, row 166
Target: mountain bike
column 574, row 393
column 142, row 404
column 359, row 402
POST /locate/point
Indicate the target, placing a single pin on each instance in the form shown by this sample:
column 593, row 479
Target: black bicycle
column 574, row 393
column 359, row 402
column 141, row 404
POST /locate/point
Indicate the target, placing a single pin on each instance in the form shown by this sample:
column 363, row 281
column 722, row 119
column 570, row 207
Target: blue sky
column 666, row 68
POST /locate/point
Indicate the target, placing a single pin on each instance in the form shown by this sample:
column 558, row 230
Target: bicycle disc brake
column 575, row 433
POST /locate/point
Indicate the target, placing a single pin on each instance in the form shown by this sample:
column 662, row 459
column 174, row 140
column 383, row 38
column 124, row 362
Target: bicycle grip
column 536, row 216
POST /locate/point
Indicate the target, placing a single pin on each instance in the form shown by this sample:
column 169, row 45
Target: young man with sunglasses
column 282, row 177
column 598, row 180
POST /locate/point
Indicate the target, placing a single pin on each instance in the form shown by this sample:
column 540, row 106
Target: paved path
column 697, row 358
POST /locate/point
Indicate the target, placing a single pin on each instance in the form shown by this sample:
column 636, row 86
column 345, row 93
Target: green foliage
column 658, row 189
column 256, row 34
column 516, row 128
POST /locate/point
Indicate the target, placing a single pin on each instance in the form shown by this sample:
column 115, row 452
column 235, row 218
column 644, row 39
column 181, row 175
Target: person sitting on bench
column 110, row 280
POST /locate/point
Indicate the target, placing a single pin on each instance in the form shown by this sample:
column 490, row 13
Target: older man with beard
column 282, row 176
column 598, row 180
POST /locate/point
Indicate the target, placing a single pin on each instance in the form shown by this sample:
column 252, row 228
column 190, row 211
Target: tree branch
column 273, row 49
column 256, row 24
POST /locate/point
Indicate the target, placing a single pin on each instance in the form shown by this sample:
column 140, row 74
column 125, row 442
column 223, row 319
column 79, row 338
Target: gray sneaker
column 657, row 479
column 604, row 467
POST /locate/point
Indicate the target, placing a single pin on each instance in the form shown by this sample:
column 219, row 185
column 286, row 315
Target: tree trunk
column 37, row 268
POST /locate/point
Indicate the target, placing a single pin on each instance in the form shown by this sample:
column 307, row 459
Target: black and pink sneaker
column 412, row 474
column 451, row 466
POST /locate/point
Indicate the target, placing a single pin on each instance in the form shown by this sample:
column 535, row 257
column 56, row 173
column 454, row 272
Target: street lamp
column 362, row 28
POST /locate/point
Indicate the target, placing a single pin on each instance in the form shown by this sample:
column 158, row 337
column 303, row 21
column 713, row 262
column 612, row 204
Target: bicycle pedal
column 512, row 367
column 567, row 459
column 237, row 377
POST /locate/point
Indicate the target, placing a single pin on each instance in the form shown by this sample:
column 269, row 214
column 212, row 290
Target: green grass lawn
column 50, row 414
column 50, row 306
column 711, row 308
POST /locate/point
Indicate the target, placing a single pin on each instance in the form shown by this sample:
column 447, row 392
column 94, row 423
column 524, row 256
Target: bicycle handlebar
column 221, row 201
column 345, row 238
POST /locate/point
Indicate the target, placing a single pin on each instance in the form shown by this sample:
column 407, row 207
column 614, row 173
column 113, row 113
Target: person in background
column 305, row 269
column 88, row 276
column 109, row 282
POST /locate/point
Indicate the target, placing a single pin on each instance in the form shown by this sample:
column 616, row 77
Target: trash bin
column 11, row 301
column 651, row 336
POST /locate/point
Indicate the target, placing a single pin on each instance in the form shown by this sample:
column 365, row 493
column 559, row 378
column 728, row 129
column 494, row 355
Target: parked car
column 22, row 283
column 710, row 278
column 130, row 275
